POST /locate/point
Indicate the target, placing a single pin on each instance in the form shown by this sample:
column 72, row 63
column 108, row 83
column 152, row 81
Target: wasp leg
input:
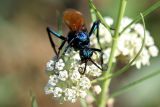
column 96, row 64
column 82, row 72
column 101, row 57
column 50, row 31
column 68, row 46
column 112, row 28
column 94, row 27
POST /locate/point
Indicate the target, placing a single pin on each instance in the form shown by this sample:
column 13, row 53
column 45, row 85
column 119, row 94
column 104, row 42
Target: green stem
column 93, row 15
column 92, row 6
column 105, row 84
column 116, row 35
column 130, row 85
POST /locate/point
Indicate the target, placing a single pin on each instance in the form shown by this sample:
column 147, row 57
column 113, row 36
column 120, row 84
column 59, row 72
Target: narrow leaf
column 134, row 83
column 33, row 100
column 145, row 13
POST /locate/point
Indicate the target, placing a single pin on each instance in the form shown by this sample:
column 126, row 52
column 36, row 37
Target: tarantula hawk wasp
column 77, row 38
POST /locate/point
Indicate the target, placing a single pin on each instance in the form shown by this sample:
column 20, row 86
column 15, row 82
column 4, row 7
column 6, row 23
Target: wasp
column 78, row 37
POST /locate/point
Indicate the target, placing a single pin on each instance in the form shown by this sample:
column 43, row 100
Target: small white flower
column 68, row 84
column 104, row 34
column 125, row 21
column 82, row 93
column 50, row 65
column 124, row 44
column 70, row 95
column 53, row 79
column 57, row 92
column 109, row 20
column 59, row 65
column 76, row 57
column 149, row 40
column 94, row 71
column 75, row 60
column 142, row 59
column 75, row 76
column 153, row 51
column 128, row 42
column 97, row 89
column 48, row 89
column 139, row 29
column 63, row 75
column 145, row 57
column 106, row 55
column 84, row 83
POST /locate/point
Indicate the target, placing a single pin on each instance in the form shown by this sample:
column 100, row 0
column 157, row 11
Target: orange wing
column 73, row 19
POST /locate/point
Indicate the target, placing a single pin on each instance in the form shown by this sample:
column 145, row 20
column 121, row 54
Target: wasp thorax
column 82, row 36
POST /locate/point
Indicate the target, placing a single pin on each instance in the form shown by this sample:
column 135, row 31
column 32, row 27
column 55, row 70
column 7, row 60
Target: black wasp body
column 78, row 37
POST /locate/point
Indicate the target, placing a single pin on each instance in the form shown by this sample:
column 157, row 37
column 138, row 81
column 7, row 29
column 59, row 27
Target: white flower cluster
column 65, row 82
column 129, row 42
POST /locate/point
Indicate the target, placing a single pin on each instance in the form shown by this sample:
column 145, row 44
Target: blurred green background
column 25, row 49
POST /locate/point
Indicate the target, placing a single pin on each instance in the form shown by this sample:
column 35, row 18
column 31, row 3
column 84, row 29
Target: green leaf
column 134, row 83
column 145, row 13
column 33, row 100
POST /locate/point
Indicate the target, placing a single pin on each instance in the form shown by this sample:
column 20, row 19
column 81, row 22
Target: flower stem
column 116, row 35
column 93, row 15
column 105, row 84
